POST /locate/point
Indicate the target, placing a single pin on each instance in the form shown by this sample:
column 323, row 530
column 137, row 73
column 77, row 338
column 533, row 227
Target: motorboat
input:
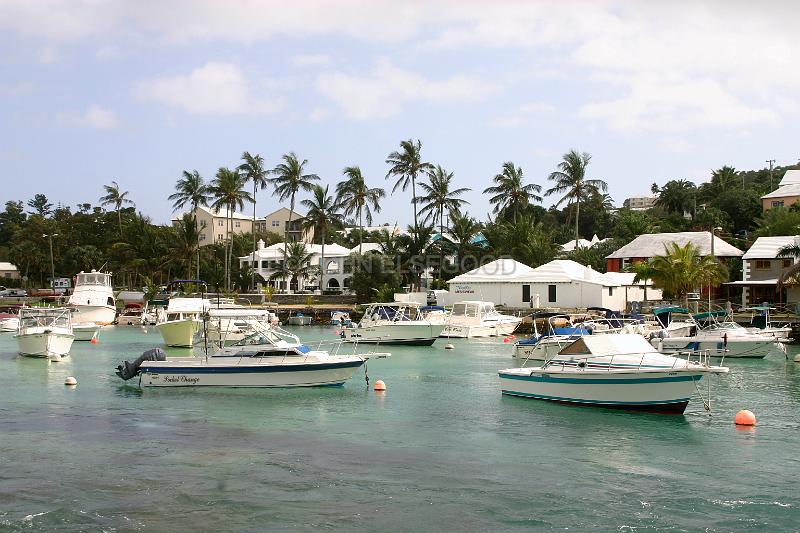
column 470, row 319
column 227, row 326
column 621, row 371
column 723, row 338
column 761, row 323
column 9, row 318
column 341, row 318
column 269, row 357
column 86, row 331
column 154, row 312
column 45, row 332
column 131, row 315
column 435, row 314
column 93, row 298
column 182, row 321
column 299, row 319
column 394, row 323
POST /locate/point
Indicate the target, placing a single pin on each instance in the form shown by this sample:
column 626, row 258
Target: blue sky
column 136, row 92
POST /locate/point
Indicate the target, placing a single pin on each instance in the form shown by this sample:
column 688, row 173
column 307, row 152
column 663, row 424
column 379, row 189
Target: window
column 202, row 223
column 202, row 237
column 762, row 264
column 551, row 293
column 220, row 223
column 276, row 223
column 264, row 264
column 237, row 224
column 220, row 237
column 611, row 291
column 777, row 203
column 526, row 293
column 787, row 263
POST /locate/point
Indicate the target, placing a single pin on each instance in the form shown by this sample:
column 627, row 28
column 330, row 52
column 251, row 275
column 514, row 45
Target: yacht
column 394, row 323
column 620, row 371
column 478, row 319
column 45, row 332
column 182, row 321
column 269, row 357
column 93, row 298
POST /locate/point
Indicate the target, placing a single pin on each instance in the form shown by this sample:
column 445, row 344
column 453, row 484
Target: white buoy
column 70, row 381
column 449, row 346
column 797, row 358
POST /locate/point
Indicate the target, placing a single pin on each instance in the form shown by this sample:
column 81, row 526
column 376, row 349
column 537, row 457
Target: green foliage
column 373, row 274
column 682, row 270
column 778, row 221
column 628, row 224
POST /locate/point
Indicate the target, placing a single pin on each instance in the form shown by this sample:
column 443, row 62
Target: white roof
column 393, row 230
column 792, row 189
column 582, row 243
column 768, row 247
column 499, row 270
column 652, row 245
column 790, row 177
column 566, row 271
column 617, row 344
column 331, row 250
column 367, row 247
column 6, row 266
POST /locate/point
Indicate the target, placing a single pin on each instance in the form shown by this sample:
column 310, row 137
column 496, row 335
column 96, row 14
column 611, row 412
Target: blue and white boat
column 620, row 371
column 270, row 357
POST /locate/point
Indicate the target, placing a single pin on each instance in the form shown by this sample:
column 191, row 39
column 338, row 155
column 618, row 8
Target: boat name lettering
column 181, row 379
column 464, row 289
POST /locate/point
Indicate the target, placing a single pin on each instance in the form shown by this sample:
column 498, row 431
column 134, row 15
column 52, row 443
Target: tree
column 227, row 190
column 289, row 179
column 252, row 168
column 571, row 180
column 406, row 165
column 191, row 189
column 354, row 197
column 629, row 224
column 778, row 221
column 183, row 243
column 510, row 194
column 439, row 198
column 526, row 241
column 465, row 229
column 644, row 273
column 40, row 205
column 677, row 196
column 724, row 179
column 322, row 214
column 682, row 270
column 296, row 264
column 116, row 198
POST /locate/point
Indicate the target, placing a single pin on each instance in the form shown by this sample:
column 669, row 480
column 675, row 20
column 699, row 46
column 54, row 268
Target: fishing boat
column 9, row 318
column 394, row 323
column 45, row 332
column 182, row 321
column 299, row 319
column 86, row 331
column 471, row 319
column 269, row 357
column 93, row 298
column 620, row 371
column 720, row 338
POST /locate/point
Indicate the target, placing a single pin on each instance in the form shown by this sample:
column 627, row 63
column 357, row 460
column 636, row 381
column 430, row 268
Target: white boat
column 723, row 339
column 470, row 319
column 394, row 323
column 269, row 357
column 93, row 298
column 9, row 318
column 182, row 321
column 131, row 315
column 340, row 318
column 299, row 319
column 763, row 325
column 154, row 312
column 620, row 371
column 44, row 332
column 227, row 326
column 86, row 331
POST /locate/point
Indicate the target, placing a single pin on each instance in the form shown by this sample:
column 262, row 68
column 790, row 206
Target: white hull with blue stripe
column 752, row 347
column 619, row 371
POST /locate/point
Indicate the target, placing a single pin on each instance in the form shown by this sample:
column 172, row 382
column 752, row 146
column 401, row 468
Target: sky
column 137, row 91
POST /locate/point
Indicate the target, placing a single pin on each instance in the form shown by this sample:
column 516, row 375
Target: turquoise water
column 440, row 450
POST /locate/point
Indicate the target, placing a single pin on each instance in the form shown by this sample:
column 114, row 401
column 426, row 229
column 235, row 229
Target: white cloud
column 215, row 88
column 308, row 60
column 385, row 91
column 523, row 114
column 47, row 55
column 95, row 117
column 319, row 114
column 675, row 145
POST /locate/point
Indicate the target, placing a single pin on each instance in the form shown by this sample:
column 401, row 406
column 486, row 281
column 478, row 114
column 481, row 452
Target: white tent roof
column 499, row 270
column 768, row 247
column 652, row 245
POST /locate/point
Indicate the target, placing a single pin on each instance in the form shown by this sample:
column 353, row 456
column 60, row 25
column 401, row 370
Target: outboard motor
column 130, row 370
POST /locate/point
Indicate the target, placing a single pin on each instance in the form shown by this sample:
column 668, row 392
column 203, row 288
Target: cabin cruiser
column 394, row 323
column 131, row 315
column 269, row 357
column 45, row 332
column 93, row 298
column 9, row 318
column 722, row 338
column 478, row 319
column 182, row 321
column 621, row 371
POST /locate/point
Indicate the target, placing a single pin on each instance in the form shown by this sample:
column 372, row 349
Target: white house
column 762, row 268
column 8, row 270
column 560, row 283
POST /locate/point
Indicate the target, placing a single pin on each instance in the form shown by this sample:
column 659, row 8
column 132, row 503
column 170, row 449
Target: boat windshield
column 94, row 278
column 42, row 317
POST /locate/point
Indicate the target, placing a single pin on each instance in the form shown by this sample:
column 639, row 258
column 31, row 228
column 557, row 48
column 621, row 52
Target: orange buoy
column 745, row 417
column 380, row 385
column 94, row 340
column 505, row 339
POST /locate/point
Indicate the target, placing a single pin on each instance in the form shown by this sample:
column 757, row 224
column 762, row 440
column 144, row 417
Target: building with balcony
column 762, row 267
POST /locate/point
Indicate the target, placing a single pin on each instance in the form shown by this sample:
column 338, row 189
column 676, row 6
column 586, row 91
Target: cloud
column 319, row 114
column 523, row 114
column 214, row 89
column 307, row 60
column 385, row 91
column 95, row 117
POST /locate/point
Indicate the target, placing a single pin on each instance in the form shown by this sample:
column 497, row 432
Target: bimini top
column 669, row 309
column 617, row 344
column 709, row 314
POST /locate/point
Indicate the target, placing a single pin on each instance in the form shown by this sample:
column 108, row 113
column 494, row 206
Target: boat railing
column 703, row 358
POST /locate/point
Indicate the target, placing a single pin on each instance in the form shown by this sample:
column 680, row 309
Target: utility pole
column 771, row 162
column 52, row 264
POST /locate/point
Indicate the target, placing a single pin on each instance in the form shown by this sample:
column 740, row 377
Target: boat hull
column 756, row 348
column 667, row 392
column 99, row 314
column 180, row 333
column 197, row 374
column 85, row 333
column 299, row 321
column 395, row 334
column 51, row 344
column 543, row 350
column 475, row 331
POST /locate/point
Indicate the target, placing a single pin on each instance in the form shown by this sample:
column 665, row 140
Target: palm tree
column 183, row 242
column 724, row 178
column 322, row 214
column 191, row 189
column 227, row 190
column 509, row 191
column 116, row 198
column 354, row 197
column 644, row 273
column 296, row 264
column 288, row 180
column 252, row 168
column 571, row 180
column 439, row 198
column 682, row 269
column 676, row 196
column 407, row 165
column 464, row 229
column 791, row 251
